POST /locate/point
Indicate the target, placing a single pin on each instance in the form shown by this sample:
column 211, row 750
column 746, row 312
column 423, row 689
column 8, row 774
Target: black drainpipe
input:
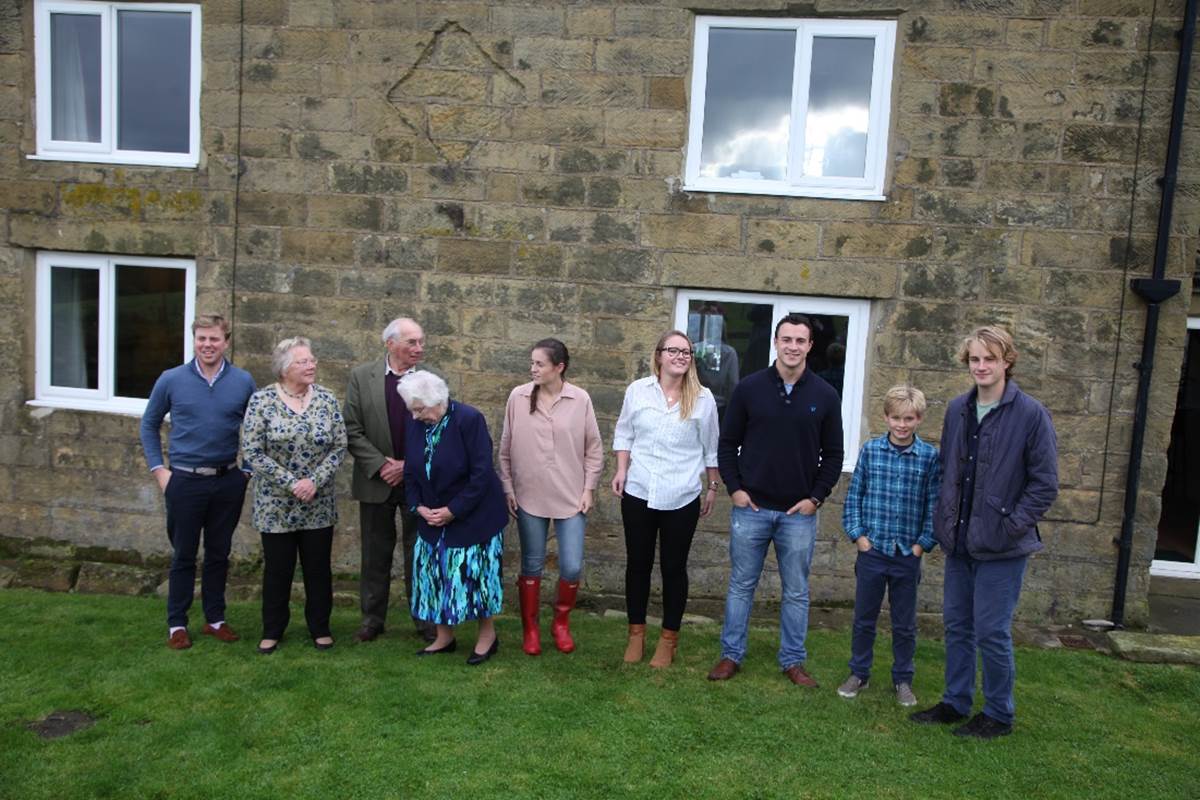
column 1154, row 290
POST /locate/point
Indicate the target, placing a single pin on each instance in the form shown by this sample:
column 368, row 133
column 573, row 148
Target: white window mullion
column 106, row 362
column 801, row 74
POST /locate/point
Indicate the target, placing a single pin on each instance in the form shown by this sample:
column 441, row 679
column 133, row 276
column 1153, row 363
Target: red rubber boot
column 529, row 590
column 560, row 629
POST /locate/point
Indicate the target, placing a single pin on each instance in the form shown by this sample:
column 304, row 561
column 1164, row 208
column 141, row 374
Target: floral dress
column 283, row 447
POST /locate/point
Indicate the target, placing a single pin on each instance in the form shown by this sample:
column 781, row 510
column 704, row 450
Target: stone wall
column 508, row 171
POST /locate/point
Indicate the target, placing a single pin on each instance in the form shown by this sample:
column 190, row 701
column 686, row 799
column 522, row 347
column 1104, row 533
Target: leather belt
column 210, row 472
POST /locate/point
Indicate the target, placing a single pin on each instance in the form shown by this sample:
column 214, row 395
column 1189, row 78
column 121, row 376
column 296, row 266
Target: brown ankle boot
column 637, row 644
column 664, row 654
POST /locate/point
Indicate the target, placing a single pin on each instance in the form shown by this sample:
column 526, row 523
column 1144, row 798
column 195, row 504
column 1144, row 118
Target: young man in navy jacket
column 780, row 454
column 1000, row 476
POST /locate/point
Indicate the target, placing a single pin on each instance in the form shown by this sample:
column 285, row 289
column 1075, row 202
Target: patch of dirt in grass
column 57, row 724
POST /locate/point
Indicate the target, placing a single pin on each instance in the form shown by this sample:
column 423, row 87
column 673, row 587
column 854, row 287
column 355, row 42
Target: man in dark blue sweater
column 203, row 487
column 780, row 454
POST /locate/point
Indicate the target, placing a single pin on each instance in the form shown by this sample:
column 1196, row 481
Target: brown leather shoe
column 799, row 676
column 224, row 633
column 367, row 634
column 725, row 669
column 636, row 648
column 179, row 640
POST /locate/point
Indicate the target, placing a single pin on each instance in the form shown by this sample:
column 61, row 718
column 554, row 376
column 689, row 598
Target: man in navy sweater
column 780, row 454
column 203, row 487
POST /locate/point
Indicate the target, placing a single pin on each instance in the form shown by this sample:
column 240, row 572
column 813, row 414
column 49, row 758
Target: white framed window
column 117, row 83
column 107, row 326
column 795, row 107
column 734, row 335
column 1177, row 549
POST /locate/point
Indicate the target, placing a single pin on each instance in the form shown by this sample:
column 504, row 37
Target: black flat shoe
column 475, row 659
column 266, row 651
column 320, row 646
column 450, row 648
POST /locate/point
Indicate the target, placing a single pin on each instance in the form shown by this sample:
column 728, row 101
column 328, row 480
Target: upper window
column 107, row 326
column 790, row 107
column 118, row 82
column 734, row 335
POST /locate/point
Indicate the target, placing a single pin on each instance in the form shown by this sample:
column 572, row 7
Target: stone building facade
column 505, row 171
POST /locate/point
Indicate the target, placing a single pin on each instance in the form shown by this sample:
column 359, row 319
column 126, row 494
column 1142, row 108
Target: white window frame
column 1180, row 569
column 858, row 320
column 870, row 186
column 105, row 151
column 103, row 397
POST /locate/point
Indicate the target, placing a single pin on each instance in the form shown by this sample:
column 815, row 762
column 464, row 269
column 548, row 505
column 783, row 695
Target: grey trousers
column 377, row 526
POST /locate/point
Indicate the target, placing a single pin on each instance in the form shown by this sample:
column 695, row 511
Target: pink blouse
column 549, row 457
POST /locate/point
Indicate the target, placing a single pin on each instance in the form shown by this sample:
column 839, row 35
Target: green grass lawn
column 373, row 720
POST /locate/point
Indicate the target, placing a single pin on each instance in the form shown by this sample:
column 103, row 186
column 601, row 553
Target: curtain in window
column 74, row 327
column 75, row 77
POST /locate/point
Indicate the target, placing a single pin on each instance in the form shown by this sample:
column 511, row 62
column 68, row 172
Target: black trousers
column 377, row 532
column 279, row 566
column 201, row 507
column 643, row 528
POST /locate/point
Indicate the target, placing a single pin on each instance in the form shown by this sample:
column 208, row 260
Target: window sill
column 125, row 407
column 184, row 162
column 786, row 191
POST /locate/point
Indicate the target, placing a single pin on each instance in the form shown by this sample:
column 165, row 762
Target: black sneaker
column 982, row 726
column 941, row 714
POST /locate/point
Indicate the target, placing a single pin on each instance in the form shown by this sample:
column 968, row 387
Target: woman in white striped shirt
column 665, row 438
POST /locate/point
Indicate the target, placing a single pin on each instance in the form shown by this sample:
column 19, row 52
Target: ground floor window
column 734, row 336
column 107, row 326
column 1176, row 553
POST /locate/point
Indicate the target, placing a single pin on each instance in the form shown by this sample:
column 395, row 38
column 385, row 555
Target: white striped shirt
column 666, row 454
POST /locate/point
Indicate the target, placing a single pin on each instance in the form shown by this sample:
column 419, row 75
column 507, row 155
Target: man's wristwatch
column 816, row 502
column 714, row 485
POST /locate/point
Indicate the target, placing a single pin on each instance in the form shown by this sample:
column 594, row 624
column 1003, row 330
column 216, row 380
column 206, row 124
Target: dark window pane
column 75, row 77
column 149, row 326
column 74, row 327
column 828, row 355
column 153, row 80
column 1179, row 524
column 747, row 103
column 732, row 340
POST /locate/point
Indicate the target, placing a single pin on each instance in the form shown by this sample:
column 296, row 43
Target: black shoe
column 320, row 646
column 475, row 659
column 982, row 726
column 266, row 651
column 450, row 648
column 941, row 714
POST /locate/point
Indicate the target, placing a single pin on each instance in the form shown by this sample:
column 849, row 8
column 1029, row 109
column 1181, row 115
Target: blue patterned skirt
column 452, row 585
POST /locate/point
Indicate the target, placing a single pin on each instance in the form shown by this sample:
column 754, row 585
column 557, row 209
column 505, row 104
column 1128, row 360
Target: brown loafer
column 725, row 669
column 799, row 676
column 367, row 634
column 179, row 640
column 224, row 633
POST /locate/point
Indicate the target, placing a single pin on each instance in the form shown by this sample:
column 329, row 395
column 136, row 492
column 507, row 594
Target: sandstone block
column 534, row 53
column 651, row 22
column 99, row 578
column 474, row 257
column 643, row 56
column 692, row 232
column 590, row 22
column 615, row 265
column 591, row 89
column 638, row 128
column 50, row 576
column 583, row 126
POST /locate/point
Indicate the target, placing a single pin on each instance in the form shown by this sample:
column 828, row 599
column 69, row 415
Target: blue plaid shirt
column 892, row 496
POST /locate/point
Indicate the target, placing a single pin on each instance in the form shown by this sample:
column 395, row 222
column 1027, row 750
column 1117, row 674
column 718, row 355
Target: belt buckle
column 208, row 471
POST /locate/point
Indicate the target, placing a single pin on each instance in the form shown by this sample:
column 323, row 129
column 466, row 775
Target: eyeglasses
column 305, row 362
column 676, row 352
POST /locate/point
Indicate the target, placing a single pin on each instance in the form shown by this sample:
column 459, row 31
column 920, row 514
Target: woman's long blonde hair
column 691, row 381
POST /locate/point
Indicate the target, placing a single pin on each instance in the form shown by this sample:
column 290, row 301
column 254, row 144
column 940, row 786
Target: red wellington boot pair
column 529, row 590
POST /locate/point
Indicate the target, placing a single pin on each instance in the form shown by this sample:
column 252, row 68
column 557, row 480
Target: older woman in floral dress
column 294, row 438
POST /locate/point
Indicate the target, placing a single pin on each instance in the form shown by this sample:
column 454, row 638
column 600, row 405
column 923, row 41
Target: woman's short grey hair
column 282, row 357
column 423, row 388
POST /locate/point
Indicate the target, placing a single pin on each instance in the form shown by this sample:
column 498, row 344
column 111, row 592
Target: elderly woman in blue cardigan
column 456, row 494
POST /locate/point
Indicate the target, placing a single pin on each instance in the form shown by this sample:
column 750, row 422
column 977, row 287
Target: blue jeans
column 750, row 533
column 979, row 600
column 898, row 575
column 534, row 533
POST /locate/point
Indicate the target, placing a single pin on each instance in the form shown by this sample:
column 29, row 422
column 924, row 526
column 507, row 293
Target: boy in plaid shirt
column 889, row 517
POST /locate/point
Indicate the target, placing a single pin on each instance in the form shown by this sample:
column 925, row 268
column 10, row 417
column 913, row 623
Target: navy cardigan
column 461, row 478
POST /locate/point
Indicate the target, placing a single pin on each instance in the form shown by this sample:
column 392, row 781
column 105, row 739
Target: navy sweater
column 790, row 445
column 205, row 420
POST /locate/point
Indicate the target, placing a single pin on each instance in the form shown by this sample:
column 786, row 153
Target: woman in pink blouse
column 550, row 463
